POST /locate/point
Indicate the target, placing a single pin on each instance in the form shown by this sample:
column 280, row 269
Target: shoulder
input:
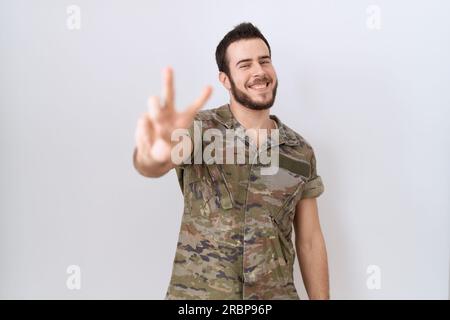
column 297, row 152
column 208, row 114
column 297, row 140
column 210, row 118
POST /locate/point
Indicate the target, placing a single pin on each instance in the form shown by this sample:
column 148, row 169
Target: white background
column 374, row 104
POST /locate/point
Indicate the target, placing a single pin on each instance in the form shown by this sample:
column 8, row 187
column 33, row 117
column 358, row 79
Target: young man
column 235, row 238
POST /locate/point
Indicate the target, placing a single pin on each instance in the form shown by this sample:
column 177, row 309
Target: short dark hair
column 244, row 30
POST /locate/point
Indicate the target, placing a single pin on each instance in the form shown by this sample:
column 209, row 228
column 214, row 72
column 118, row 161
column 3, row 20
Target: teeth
column 259, row 86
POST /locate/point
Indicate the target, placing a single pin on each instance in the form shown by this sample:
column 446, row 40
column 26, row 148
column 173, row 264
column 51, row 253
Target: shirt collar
column 226, row 117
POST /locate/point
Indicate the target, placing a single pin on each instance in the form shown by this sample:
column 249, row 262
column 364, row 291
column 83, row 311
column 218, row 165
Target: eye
column 244, row 66
column 265, row 62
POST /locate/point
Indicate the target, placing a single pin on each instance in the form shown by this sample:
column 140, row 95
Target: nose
column 258, row 70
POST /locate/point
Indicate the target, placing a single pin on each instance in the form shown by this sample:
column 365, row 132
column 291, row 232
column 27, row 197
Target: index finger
column 168, row 88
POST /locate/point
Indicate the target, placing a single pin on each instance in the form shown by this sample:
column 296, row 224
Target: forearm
column 313, row 263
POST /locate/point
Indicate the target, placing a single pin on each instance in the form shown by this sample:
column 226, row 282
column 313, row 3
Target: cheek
column 271, row 72
column 240, row 79
column 241, row 83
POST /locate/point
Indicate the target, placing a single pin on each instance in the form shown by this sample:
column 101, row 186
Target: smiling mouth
column 260, row 86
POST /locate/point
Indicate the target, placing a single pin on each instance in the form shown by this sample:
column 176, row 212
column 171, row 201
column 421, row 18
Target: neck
column 251, row 119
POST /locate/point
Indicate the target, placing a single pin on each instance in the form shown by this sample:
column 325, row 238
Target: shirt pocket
column 295, row 173
column 208, row 192
column 273, row 262
column 284, row 215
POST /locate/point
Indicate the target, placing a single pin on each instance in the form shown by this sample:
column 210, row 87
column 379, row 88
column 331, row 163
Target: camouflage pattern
column 235, row 238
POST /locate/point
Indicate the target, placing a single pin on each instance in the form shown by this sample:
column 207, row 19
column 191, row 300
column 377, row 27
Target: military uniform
column 235, row 236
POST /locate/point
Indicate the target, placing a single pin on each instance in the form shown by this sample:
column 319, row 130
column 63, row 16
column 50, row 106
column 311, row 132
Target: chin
column 262, row 100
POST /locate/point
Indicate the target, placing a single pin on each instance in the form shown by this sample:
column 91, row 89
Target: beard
column 245, row 100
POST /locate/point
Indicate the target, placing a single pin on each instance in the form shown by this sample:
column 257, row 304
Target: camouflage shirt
column 235, row 236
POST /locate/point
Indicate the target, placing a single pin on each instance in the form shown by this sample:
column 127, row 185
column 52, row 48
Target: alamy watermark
column 227, row 147
column 373, row 281
column 73, row 281
column 373, row 21
column 73, row 21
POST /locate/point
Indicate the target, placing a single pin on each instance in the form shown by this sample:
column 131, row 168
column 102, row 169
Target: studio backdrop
column 365, row 82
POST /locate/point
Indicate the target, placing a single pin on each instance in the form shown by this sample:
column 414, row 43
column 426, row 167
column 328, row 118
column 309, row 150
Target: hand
column 155, row 127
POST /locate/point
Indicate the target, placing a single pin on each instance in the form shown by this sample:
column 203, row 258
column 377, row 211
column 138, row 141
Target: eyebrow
column 248, row 60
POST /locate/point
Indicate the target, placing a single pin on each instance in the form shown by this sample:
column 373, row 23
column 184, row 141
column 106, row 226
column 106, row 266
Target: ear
column 223, row 78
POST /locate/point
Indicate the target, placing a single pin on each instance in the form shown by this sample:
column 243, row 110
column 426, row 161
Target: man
column 235, row 238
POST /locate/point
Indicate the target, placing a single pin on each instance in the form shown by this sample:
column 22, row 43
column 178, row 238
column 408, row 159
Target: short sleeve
column 314, row 186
